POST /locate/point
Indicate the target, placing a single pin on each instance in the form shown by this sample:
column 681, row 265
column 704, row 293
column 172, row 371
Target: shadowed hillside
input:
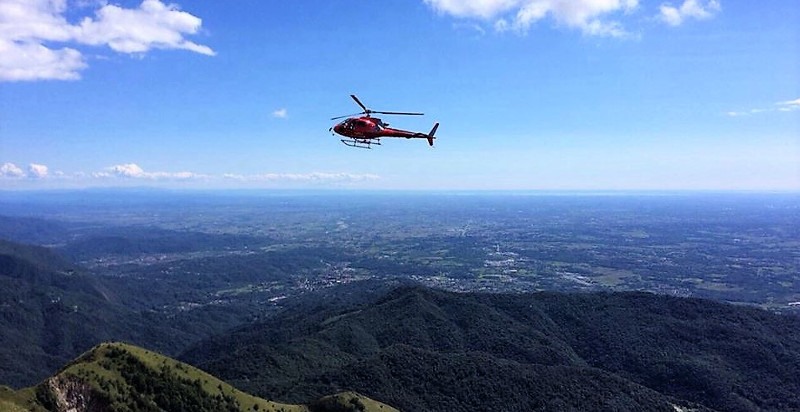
column 51, row 311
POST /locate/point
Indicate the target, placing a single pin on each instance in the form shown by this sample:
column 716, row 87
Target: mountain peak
column 119, row 376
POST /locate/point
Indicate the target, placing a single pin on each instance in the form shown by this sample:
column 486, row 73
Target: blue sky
column 530, row 94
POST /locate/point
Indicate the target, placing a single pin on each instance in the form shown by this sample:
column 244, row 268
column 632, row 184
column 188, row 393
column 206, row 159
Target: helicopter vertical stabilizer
column 430, row 135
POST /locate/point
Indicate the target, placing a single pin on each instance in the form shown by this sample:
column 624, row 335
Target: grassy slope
column 115, row 372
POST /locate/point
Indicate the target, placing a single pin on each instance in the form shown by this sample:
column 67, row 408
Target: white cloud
column 670, row 15
column 280, row 113
column 29, row 27
column 590, row 16
column 133, row 171
column 32, row 61
column 11, row 170
column 152, row 25
column 34, row 20
column 126, row 170
column 37, row 171
column 696, row 9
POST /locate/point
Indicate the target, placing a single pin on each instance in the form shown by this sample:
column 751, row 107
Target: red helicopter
column 366, row 130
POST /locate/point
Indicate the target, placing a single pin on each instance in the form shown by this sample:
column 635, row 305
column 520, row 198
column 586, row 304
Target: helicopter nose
column 337, row 128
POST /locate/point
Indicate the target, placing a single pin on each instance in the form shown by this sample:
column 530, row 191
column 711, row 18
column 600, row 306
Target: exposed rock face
column 71, row 394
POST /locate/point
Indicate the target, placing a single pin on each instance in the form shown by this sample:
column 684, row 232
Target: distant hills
column 428, row 350
column 122, row 377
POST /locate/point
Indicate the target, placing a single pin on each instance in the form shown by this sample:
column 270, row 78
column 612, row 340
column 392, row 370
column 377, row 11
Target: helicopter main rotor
column 370, row 111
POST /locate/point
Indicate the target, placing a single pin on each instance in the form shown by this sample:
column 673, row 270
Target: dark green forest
column 421, row 349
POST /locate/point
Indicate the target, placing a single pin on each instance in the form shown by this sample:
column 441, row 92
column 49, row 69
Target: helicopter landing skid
column 361, row 144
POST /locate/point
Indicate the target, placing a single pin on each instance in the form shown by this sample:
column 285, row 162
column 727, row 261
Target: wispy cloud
column 787, row 106
column 592, row 17
column 695, row 9
column 35, row 37
column 131, row 172
column 280, row 113
column 790, row 105
column 303, row 177
column 470, row 27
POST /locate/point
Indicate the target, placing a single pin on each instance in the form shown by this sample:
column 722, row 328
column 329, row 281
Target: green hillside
column 123, row 377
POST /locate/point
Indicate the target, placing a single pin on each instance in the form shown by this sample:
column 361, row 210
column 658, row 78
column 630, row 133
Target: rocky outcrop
column 71, row 394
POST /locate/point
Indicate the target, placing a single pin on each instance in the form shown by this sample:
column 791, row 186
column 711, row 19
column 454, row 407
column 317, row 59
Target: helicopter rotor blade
column 368, row 111
column 347, row 115
column 403, row 113
column 360, row 104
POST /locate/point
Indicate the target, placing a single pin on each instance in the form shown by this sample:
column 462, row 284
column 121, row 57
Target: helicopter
column 365, row 131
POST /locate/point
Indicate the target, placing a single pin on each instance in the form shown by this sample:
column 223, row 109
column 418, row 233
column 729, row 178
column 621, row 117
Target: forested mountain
column 421, row 349
column 33, row 230
column 121, row 377
column 50, row 311
column 22, row 261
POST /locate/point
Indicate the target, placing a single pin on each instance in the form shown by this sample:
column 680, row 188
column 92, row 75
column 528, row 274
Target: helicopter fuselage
column 366, row 127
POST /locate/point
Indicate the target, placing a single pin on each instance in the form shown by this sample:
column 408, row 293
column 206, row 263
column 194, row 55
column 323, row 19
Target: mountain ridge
column 117, row 377
column 658, row 351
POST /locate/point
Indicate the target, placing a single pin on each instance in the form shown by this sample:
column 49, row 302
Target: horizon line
column 133, row 189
